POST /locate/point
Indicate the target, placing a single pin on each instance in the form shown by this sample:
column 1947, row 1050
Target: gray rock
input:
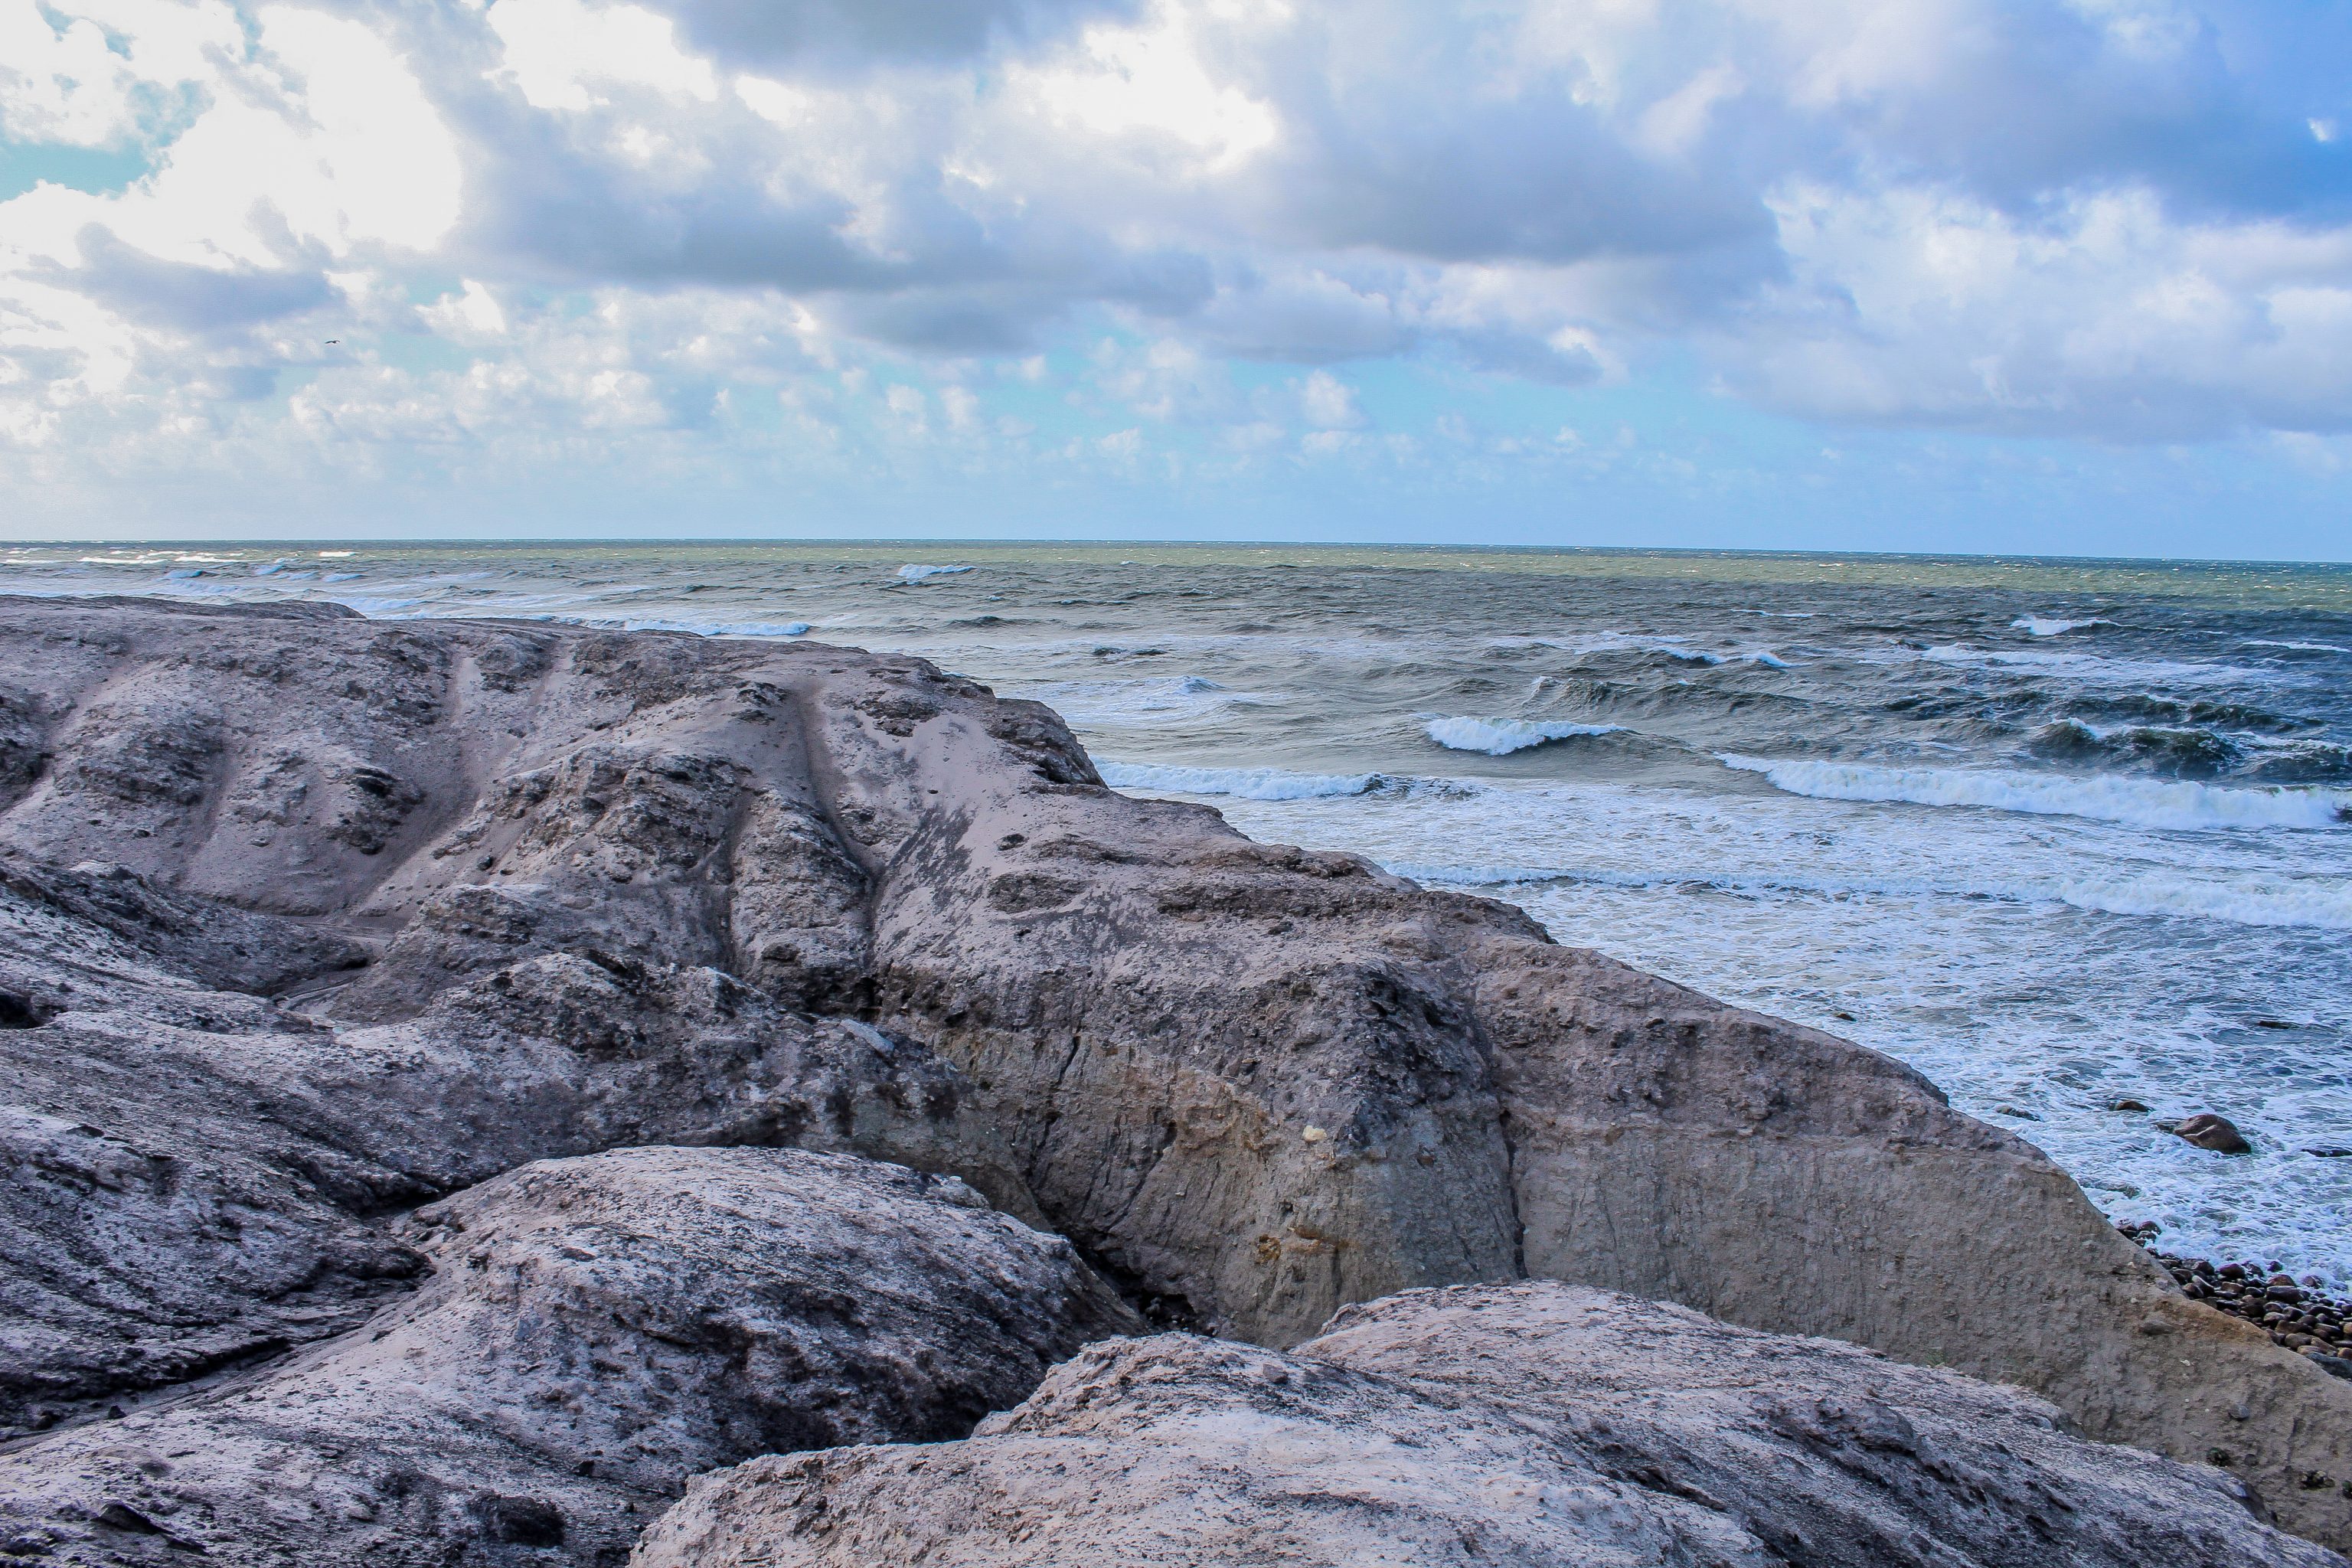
column 192, row 1178
column 1536, row 1425
column 1256, row 1083
column 594, row 1332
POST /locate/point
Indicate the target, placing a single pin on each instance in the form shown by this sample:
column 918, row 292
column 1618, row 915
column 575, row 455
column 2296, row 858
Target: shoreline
column 2299, row 1314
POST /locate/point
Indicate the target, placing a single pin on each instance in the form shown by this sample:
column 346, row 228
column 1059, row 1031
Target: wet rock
column 1537, row 1426
column 2126, row 1104
column 2208, row 1130
column 594, row 1332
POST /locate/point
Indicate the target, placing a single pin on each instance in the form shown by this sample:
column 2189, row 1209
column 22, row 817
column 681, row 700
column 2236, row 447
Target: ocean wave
column 1180, row 697
column 2052, row 627
column 2175, row 752
column 717, row 629
column 2312, row 903
column 2298, row 646
column 916, row 574
column 1258, row 783
column 2139, row 803
column 2088, row 668
column 1500, row 737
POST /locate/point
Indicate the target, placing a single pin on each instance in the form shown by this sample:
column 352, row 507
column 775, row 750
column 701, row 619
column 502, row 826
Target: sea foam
column 1500, row 737
column 915, row 574
column 2052, row 627
column 2103, row 798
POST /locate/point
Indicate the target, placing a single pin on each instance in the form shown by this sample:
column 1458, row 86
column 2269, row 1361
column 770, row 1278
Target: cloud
column 2129, row 220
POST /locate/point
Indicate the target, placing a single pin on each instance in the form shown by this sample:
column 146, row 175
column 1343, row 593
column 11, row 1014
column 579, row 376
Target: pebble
column 2298, row 1315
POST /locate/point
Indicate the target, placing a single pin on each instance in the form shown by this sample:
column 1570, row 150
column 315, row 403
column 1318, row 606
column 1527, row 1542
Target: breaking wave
column 2140, row 802
column 1500, row 737
column 2051, row 626
column 914, row 573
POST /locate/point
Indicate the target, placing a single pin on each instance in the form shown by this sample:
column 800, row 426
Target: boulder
column 2208, row 1130
column 1533, row 1425
column 594, row 1331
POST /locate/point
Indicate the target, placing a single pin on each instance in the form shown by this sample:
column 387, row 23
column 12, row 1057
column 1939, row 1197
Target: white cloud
column 2062, row 216
column 1328, row 403
column 568, row 54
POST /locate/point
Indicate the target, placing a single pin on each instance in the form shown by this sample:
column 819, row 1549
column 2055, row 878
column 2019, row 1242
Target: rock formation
column 593, row 1331
column 1252, row 1084
column 193, row 1177
column 1532, row 1426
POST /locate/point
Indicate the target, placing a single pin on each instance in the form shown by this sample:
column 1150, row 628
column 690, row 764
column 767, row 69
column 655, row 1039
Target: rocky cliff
column 314, row 920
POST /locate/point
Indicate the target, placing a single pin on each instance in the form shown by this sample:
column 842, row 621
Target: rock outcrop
column 1536, row 1425
column 193, row 1177
column 593, row 1331
column 1252, row 1083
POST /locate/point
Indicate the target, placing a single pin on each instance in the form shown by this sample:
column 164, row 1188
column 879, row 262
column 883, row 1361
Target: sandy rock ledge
column 1536, row 1425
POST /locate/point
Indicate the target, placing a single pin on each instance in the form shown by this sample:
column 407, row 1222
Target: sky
column 2048, row 276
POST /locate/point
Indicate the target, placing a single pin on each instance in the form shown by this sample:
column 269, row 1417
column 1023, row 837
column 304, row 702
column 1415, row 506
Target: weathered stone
column 191, row 1178
column 1536, row 1425
column 1150, row 1011
column 594, row 1332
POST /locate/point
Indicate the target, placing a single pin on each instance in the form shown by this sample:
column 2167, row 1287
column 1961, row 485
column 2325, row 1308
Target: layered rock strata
column 1536, row 1425
column 1253, row 1083
column 594, row 1332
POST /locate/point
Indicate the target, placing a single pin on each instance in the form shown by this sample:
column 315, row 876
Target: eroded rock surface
column 1256, row 1083
column 594, row 1332
column 192, row 1177
column 1536, row 1425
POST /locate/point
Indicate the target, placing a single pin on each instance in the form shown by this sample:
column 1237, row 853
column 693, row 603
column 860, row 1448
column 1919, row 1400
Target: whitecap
column 916, row 574
column 1500, row 737
column 2104, row 797
column 2052, row 625
column 2298, row 646
column 1246, row 783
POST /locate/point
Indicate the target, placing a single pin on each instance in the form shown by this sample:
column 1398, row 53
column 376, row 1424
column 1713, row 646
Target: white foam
column 1246, row 783
column 2103, row 798
column 2052, row 627
column 915, row 574
column 1500, row 737
column 2298, row 646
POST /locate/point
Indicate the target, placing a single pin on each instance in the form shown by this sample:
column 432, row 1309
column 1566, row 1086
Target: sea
column 2068, row 836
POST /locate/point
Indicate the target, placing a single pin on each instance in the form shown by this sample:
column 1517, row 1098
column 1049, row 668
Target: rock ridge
column 608, row 886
